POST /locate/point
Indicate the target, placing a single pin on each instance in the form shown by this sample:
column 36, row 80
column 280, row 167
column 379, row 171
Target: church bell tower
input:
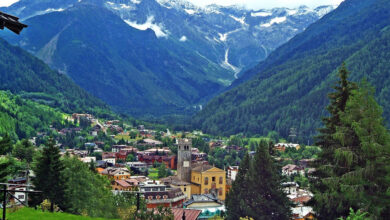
column 184, row 159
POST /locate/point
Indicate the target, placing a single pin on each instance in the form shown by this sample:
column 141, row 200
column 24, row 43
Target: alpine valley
column 287, row 92
column 154, row 57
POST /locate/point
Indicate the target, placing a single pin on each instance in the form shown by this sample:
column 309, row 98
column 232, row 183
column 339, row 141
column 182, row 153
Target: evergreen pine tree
column 365, row 154
column 235, row 199
column 324, row 186
column 49, row 176
column 265, row 198
column 354, row 170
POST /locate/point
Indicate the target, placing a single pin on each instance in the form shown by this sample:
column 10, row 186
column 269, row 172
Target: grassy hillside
column 31, row 214
column 289, row 89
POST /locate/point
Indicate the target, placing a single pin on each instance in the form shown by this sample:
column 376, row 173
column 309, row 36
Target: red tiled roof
column 302, row 199
column 122, row 183
column 191, row 214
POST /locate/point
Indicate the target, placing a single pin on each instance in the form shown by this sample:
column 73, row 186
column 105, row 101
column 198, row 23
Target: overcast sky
column 251, row 4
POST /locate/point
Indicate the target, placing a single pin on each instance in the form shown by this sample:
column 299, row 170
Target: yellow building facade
column 207, row 179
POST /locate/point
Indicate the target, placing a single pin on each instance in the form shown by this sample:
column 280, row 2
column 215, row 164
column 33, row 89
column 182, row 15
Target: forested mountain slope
column 21, row 73
column 289, row 89
column 22, row 118
column 154, row 57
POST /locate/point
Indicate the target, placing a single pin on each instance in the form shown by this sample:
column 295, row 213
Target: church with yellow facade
column 202, row 179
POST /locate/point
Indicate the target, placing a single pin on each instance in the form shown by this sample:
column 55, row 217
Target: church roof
column 202, row 168
column 174, row 180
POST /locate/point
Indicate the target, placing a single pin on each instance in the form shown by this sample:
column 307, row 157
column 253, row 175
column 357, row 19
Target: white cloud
column 7, row 2
column 266, row 4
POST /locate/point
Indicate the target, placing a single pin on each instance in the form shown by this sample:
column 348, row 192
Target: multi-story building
column 157, row 194
column 207, row 179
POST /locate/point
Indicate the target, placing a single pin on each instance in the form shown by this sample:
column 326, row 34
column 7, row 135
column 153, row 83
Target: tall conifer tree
column 353, row 169
column 235, row 199
column 265, row 197
column 49, row 176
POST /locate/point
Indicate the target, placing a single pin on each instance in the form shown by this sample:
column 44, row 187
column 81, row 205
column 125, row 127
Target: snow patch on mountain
column 241, row 20
column 190, row 11
column 136, row 1
column 183, row 39
column 261, row 14
column 273, row 21
column 53, row 10
column 225, row 64
column 223, row 37
column 149, row 24
column 292, row 12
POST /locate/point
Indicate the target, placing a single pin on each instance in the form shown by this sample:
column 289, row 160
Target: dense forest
column 289, row 90
column 22, row 118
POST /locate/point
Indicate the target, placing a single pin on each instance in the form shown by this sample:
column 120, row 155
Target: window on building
column 213, row 178
column 150, row 197
column 158, row 197
column 165, row 197
column 220, row 191
column 220, row 180
column 206, row 181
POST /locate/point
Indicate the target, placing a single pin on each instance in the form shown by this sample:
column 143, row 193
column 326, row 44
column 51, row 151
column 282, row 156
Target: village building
column 152, row 142
column 207, row 203
column 125, row 185
column 283, row 146
column 87, row 159
column 116, row 173
column 207, row 179
column 174, row 182
column 291, row 169
column 232, row 172
column 157, row 194
column 137, row 164
column 169, row 161
column 117, row 148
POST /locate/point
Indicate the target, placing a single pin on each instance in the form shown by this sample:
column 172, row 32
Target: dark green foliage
column 235, row 199
column 5, row 144
column 289, row 89
column 21, row 73
column 258, row 193
column 162, row 171
column 5, row 169
column 24, row 151
column 359, row 215
column 222, row 158
column 355, row 170
column 200, row 144
column 86, row 191
column 266, row 199
column 49, row 176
